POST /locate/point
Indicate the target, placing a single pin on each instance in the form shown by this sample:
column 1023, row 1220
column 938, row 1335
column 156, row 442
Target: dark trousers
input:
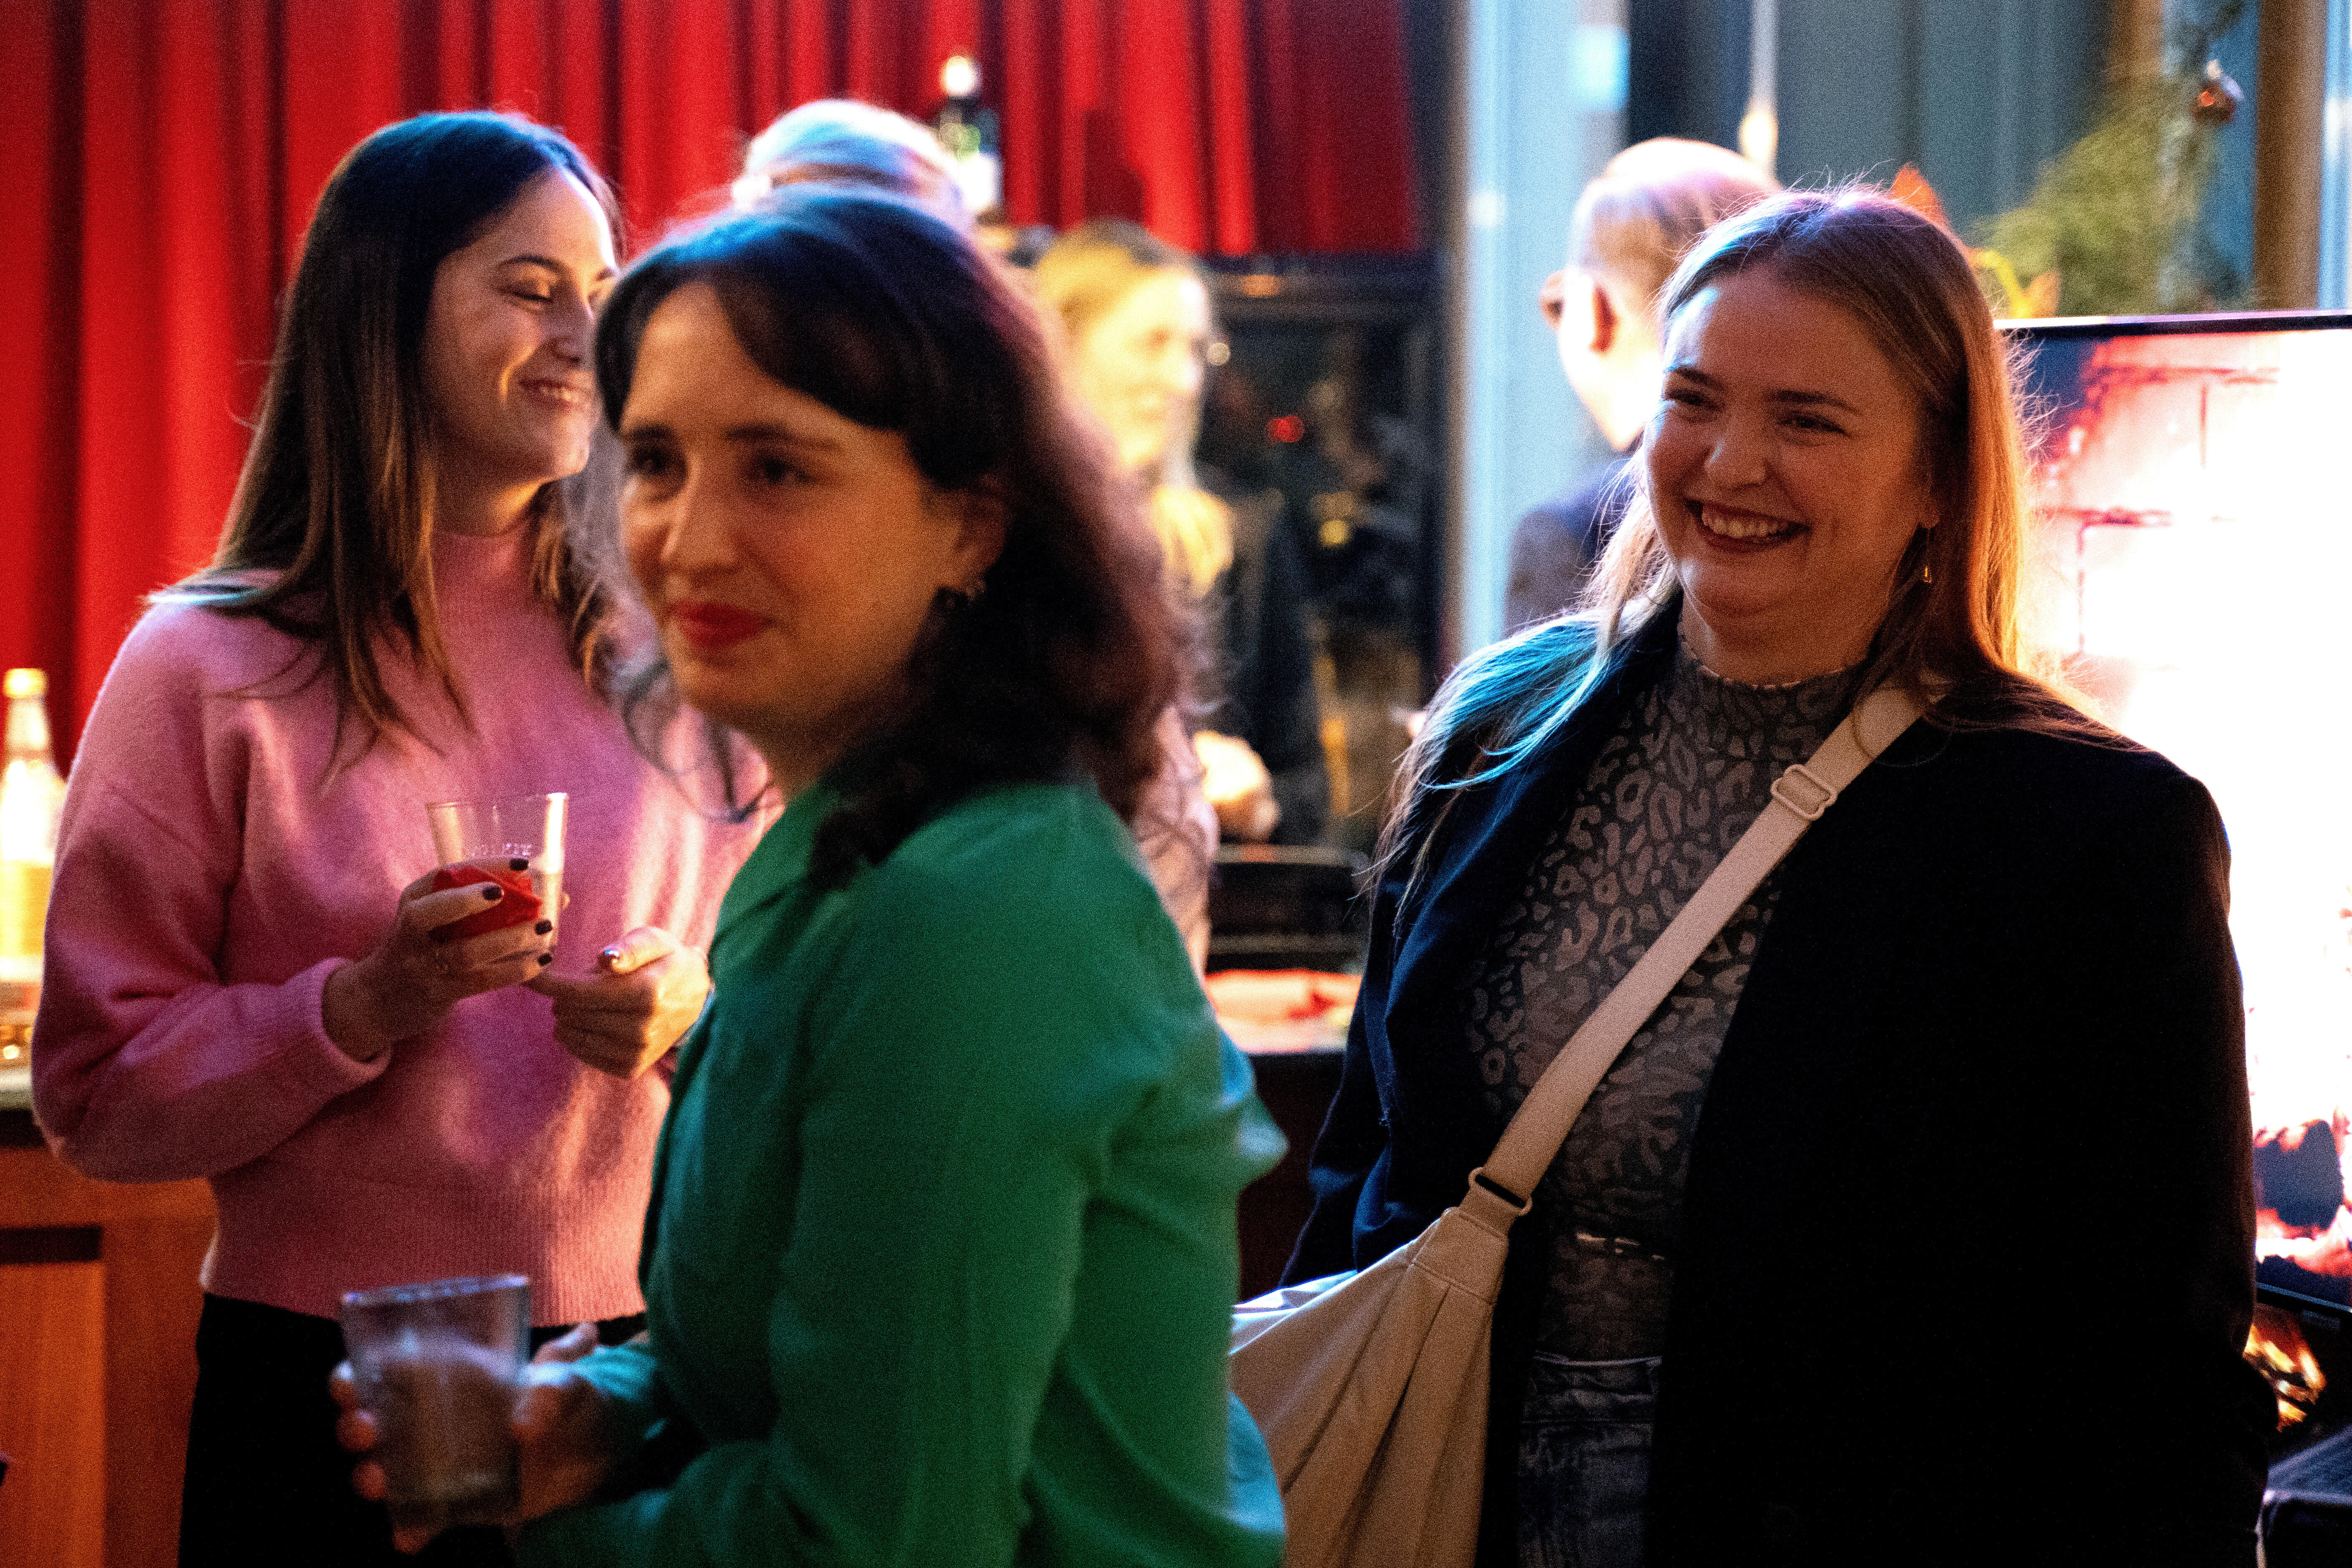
column 267, row 1486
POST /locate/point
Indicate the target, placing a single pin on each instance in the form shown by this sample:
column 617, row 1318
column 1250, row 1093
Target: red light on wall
column 1286, row 428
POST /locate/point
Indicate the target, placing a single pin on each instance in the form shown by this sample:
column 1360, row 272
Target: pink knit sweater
column 212, row 874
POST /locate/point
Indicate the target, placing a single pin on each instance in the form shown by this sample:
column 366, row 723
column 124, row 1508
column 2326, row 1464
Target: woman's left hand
column 355, row 1430
column 646, row 992
column 563, row 1430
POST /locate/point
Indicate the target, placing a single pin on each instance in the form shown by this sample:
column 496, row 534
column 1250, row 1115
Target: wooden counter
column 1297, row 1087
column 98, row 1302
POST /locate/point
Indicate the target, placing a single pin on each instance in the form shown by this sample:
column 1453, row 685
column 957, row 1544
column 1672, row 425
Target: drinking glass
column 502, row 830
column 438, row 1365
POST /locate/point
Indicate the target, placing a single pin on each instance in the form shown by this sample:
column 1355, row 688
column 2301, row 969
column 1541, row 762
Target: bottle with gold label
column 30, row 796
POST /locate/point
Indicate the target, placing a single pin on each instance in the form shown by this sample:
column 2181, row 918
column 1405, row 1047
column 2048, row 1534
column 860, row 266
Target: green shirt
column 941, row 1254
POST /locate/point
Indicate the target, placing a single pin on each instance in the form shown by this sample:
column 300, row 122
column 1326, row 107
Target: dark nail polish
column 494, row 893
column 518, row 864
column 545, row 959
column 543, row 927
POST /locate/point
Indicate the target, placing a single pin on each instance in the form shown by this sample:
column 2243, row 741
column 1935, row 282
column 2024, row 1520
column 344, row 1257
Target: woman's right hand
column 1238, row 786
column 404, row 986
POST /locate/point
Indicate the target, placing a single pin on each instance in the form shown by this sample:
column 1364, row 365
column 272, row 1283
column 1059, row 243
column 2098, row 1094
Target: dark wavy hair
column 1062, row 666
column 335, row 501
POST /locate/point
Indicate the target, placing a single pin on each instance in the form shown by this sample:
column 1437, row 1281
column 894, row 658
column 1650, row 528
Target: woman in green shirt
column 941, row 1249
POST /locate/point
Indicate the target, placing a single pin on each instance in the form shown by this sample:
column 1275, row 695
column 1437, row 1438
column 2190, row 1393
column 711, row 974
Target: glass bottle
column 967, row 130
column 30, row 796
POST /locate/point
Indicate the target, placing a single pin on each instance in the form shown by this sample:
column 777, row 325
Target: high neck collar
column 1813, row 703
column 461, row 560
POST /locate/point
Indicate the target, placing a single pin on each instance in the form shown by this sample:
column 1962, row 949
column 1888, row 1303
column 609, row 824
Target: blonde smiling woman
column 1790, row 1290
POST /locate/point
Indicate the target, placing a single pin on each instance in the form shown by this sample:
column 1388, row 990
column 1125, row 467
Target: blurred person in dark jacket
column 1632, row 225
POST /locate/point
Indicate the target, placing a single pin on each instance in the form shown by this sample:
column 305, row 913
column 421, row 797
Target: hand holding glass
column 494, row 834
column 437, row 1366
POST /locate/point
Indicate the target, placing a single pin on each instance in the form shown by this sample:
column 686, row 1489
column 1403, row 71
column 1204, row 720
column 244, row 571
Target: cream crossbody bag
column 1371, row 1386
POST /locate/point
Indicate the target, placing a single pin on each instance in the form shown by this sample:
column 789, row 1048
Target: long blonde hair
column 1953, row 629
column 1081, row 278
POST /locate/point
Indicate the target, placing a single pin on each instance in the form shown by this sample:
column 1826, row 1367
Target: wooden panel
column 102, row 1369
column 153, row 1301
column 1297, row 1091
column 52, row 1415
column 36, row 1190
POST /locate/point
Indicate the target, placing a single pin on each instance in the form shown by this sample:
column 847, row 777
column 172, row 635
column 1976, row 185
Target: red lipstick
column 709, row 626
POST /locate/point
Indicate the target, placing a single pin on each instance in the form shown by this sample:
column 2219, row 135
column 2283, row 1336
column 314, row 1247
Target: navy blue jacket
column 1556, row 545
column 1968, row 1256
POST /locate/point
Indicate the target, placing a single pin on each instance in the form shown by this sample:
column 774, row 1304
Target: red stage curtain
column 163, row 157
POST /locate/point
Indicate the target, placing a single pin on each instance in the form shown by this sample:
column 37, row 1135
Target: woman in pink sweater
column 242, row 983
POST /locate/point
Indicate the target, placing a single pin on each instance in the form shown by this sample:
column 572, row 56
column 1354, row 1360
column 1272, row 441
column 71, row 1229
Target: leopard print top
column 1682, row 777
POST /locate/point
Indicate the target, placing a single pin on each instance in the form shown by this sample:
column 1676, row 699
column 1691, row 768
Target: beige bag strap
column 1800, row 795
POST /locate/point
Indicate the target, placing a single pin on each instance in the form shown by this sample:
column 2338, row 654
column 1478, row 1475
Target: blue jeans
column 1584, row 1462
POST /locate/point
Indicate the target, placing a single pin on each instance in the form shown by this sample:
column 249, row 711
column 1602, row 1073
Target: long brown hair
column 330, row 535
column 890, row 318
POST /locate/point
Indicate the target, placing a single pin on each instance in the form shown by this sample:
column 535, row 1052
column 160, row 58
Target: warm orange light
column 2276, row 1348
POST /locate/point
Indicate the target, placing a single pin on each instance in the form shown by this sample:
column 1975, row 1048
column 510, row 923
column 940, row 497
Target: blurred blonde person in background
column 1138, row 327
column 1630, row 227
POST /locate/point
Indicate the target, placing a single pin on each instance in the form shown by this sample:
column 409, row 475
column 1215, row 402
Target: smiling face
column 790, row 556
column 1140, row 365
column 1787, row 470
column 507, row 341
